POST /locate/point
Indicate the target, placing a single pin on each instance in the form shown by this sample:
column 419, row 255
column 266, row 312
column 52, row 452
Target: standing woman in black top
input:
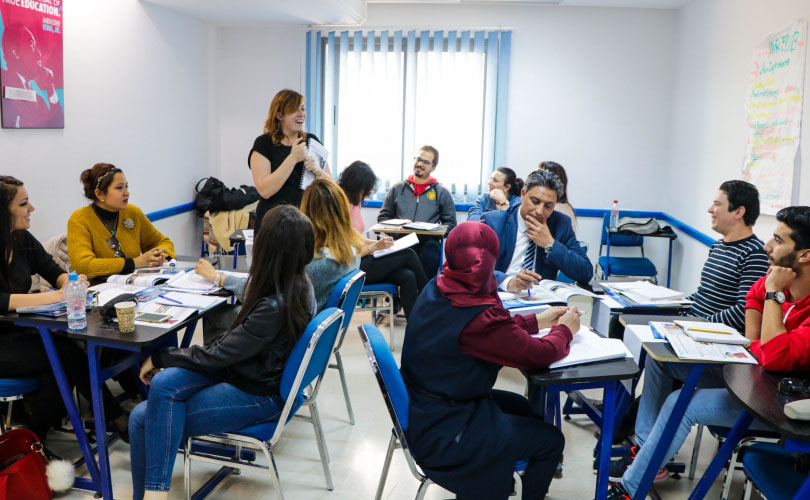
column 22, row 354
column 279, row 156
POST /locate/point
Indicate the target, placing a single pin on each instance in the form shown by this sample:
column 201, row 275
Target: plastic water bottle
column 614, row 216
column 75, row 296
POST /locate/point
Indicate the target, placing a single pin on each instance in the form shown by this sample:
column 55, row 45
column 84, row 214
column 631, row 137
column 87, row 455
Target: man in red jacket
column 777, row 320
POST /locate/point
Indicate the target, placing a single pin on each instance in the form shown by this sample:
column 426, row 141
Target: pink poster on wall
column 31, row 73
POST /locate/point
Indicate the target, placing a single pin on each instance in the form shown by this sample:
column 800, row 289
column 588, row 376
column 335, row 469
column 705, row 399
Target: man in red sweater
column 777, row 319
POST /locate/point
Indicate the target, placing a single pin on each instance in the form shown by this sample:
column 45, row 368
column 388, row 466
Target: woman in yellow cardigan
column 110, row 236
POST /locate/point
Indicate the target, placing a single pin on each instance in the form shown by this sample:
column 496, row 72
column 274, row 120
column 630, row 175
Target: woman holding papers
column 23, row 354
column 234, row 381
column 110, row 236
column 402, row 268
column 464, row 435
column 285, row 158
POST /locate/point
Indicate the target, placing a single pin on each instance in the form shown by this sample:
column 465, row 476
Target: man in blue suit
column 536, row 242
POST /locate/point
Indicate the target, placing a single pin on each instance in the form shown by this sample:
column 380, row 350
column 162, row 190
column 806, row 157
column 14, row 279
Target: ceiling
column 242, row 12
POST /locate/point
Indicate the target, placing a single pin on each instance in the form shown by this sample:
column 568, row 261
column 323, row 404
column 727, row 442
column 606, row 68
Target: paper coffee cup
column 125, row 311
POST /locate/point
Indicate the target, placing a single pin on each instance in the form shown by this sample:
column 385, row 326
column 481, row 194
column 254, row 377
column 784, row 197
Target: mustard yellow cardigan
column 87, row 241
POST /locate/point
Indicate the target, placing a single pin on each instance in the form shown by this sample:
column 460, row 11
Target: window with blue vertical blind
column 378, row 96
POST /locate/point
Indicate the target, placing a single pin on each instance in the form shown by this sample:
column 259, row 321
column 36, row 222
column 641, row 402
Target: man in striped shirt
column 736, row 261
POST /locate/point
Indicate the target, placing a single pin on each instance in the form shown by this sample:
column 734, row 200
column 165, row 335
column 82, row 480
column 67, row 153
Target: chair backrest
column 389, row 378
column 307, row 360
column 620, row 240
column 344, row 296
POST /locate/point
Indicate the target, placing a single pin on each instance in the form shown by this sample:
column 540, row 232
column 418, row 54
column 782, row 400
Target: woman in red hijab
column 464, row 435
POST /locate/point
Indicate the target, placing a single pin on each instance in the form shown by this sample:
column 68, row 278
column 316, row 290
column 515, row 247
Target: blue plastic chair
column 306, row 365
column 381, row 291
column 396, row 399
column 771, row 470
column 344, row 297
column 13, row 389
column 624, row 266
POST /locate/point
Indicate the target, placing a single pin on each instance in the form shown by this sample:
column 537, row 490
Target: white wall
column 253, row 64
column 716, row 39
column 136, row 95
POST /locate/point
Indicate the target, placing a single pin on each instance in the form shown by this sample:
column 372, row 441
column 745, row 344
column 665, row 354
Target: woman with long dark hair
column 563, row 205
column 281, row 155
column 23, row 354
column 504, row 191
column 233, row 381
column 402, row 268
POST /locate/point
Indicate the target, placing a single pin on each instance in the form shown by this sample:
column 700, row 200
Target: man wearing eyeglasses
column 421, row 198
column 777, row 321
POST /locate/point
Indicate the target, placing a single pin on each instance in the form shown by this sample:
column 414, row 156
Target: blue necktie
column 528, row 261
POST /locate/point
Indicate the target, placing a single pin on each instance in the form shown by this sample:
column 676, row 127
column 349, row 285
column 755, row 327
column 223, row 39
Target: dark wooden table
column 757, row 391
column 548, row 384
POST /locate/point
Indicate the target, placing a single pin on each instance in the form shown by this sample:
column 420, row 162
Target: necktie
column 528, row 261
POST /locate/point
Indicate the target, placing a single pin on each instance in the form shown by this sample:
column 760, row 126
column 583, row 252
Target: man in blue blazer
column 536, row 242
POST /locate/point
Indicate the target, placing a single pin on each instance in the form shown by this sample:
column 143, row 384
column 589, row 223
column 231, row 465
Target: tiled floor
column 357, row 451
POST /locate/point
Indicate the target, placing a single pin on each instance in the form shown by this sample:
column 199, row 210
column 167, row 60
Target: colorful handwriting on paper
column 773, row 111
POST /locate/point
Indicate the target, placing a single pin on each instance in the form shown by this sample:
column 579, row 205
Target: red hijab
column 469, row 280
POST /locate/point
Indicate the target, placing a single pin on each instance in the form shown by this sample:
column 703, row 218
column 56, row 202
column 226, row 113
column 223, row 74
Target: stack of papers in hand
column 400, row 244
column 646, row 293
column 712, row 332
column 588, row 347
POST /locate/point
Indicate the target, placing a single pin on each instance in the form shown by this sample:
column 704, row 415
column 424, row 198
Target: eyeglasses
column 113, row 243
column 422, row 161
column 794, row 387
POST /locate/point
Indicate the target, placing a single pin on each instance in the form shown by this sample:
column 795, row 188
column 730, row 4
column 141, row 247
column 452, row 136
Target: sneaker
column 617, row 492
column 618, row 467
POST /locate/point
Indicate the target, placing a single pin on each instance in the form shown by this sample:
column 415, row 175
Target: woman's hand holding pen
column 298, row 152
column 550, row 316
column 151, row 258
column 571, row 319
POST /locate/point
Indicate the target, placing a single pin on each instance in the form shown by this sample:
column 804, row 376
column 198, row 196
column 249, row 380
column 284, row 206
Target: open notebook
column 588, row 347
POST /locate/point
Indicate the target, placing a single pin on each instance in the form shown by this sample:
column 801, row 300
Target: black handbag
column 211, row 190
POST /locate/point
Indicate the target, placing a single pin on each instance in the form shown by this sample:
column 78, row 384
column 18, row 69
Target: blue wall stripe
column 169, row 212
column 464, row 207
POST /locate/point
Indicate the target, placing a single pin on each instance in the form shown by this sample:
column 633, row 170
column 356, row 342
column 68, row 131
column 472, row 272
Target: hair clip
column 108, row 172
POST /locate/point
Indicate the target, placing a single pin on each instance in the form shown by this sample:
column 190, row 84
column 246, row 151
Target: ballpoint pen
column 170, row 299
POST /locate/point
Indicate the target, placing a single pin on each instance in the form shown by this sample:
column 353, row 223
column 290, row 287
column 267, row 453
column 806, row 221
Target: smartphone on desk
column 153, row 317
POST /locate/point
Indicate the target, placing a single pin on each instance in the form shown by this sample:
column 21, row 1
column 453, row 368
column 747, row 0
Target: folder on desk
column 712, row 332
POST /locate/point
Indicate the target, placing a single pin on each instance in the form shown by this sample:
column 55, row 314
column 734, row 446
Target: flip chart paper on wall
column 773, row 109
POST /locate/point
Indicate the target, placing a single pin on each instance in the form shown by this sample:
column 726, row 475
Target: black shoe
column 618, row 467
column 617, row 492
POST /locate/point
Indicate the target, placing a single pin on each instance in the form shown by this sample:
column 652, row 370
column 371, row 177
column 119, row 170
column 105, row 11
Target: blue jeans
column 710, row 405
column 184, row 403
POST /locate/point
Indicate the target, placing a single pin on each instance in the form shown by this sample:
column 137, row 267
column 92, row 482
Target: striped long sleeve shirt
column 729, row 272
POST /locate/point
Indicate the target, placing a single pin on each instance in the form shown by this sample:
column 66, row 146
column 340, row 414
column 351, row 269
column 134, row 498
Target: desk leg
column 669, row 430
column 606, row 440
column 669, row 263
column 70, row 405
column 93, row 352
column 188, row 334
column 723, row 455
column 235, row 249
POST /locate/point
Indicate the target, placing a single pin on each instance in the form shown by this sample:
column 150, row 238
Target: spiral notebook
column 317, row 152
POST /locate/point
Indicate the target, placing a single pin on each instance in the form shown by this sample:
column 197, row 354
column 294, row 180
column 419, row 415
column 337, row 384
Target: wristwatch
column 778, row 296
column 548, row 248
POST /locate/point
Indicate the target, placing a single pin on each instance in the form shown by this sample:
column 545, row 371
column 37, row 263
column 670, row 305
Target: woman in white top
column 562, row 204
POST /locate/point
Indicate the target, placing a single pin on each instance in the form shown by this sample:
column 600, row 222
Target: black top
column 252, row 354
column 28, row 259
column 110, row 219
column 290, row 192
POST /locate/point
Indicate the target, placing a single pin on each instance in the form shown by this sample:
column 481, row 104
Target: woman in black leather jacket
column 233, row 381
